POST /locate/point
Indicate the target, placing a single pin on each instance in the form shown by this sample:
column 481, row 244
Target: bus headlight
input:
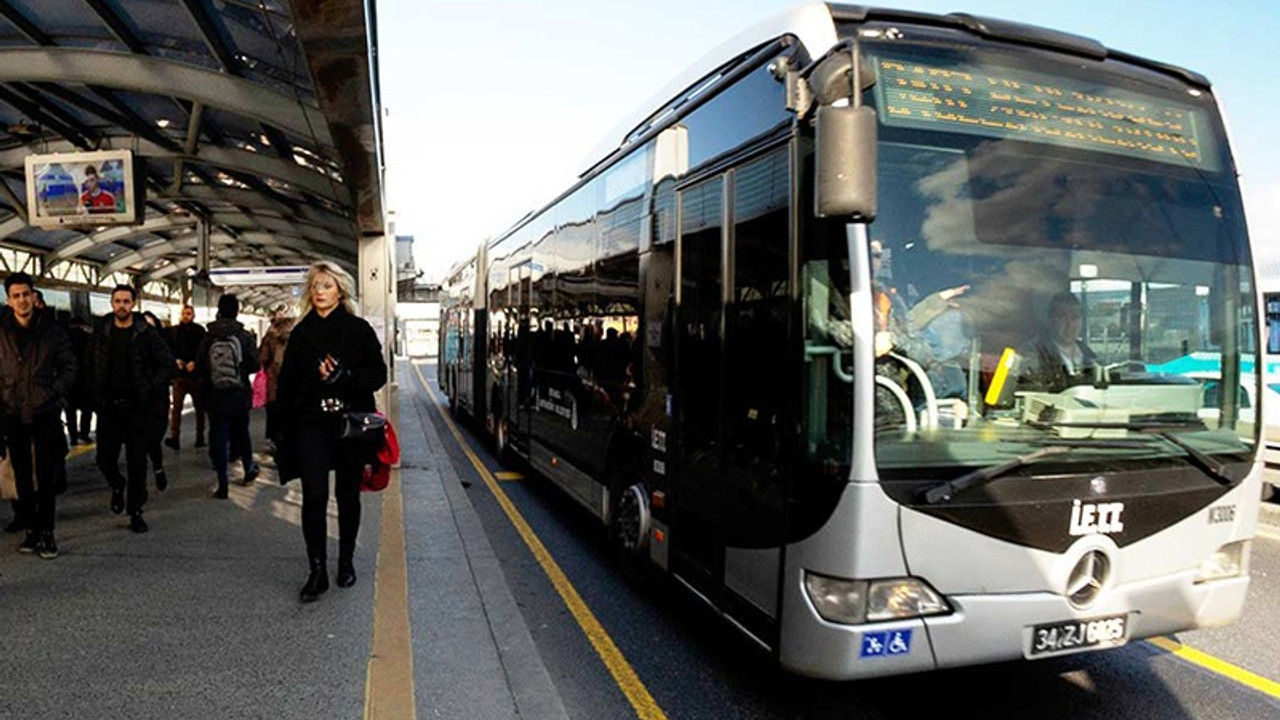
column 901, row 598
column 853, row 602
column 837, row 600
column 1227, row 562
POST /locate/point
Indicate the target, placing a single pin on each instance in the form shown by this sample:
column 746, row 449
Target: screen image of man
column 94, row 198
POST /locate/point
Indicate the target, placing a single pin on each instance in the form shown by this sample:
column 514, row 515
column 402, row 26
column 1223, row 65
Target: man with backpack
column 227, row 357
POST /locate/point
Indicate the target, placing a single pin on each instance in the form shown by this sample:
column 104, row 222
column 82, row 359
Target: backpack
column 224, row 363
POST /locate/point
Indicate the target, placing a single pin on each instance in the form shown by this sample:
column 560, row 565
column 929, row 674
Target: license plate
column 1072, row 635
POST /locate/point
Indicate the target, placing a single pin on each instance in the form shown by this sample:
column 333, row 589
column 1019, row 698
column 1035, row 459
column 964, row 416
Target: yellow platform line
column 389, row 676
column 1221, row 667
column 623, row 674
column 508, row 476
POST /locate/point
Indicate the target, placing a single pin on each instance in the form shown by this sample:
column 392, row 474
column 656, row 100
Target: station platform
column 200, row 618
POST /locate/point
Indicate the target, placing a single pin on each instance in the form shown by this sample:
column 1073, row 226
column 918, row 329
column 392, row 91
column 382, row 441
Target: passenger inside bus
column 901, row 328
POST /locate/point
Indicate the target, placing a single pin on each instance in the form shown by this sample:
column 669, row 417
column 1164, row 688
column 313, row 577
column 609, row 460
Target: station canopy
column 259, row 117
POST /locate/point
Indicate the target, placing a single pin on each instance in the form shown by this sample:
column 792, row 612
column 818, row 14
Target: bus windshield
column 1057, row 258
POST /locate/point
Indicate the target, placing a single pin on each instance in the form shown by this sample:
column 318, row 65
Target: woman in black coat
column 332, row 365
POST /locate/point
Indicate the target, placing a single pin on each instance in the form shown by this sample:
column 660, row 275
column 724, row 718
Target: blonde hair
column 346, row 287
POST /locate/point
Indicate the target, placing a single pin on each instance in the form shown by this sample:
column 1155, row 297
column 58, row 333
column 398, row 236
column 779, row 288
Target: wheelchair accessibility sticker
column 882, row 644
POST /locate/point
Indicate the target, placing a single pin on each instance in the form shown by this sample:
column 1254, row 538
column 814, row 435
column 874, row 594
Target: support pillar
column 377, row 290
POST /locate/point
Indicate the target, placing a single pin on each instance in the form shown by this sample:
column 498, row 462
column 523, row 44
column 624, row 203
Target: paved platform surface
column 199, row 618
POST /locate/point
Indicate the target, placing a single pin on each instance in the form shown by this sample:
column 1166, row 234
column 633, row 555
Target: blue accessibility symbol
column 882, row 644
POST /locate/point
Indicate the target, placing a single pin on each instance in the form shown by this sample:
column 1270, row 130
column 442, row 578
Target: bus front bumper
column 1001, row 627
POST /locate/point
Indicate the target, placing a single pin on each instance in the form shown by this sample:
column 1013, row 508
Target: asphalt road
column 694, row 666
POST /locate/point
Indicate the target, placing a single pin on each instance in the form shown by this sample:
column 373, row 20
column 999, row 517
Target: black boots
column 317, row 582
column 346, row 573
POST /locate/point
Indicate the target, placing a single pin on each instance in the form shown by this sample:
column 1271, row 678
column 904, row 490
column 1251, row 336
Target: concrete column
column 377, row 289
column 201, row 289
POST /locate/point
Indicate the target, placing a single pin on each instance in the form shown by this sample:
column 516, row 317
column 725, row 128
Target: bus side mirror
column 845, row 174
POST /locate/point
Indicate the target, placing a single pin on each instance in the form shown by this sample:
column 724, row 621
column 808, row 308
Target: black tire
column 502, row 441
column 629, row 520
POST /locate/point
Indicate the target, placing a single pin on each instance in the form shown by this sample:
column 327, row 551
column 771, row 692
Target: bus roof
column 814, row 25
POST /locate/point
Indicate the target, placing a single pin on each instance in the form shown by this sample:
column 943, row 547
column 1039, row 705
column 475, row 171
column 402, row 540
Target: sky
column 493, row 107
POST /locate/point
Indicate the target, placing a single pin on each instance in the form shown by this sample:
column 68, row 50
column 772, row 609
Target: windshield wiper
column 1201, row 459
column 1211, row 467
column 982, row 476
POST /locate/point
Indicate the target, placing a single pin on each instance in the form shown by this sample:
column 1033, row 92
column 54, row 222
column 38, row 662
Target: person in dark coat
column 80, row 399
column 17, row 523
column 333, row 364
column 229, row 402
column 131, row 366
column 185, row 340
column 37, row 369
column 159, row 419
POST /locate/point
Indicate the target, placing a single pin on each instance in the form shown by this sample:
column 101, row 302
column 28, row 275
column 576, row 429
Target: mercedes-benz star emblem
column 1087, row 578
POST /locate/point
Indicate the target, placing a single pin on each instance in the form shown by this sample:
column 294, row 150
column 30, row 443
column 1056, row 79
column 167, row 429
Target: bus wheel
column 630, row 522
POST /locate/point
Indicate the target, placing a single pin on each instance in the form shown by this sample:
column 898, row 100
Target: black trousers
column 318, row 450
column 38, row 483
column 273, row 420
column 131, row 428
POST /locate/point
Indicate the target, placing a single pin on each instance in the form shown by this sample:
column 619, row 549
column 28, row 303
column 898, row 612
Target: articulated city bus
column 857, row 331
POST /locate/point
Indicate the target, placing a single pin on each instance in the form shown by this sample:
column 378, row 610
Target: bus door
column 757, row 412
column 519, row 387
column 697, row 553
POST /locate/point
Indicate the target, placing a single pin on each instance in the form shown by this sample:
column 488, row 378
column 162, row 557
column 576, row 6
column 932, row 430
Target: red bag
column 377, row 475
column 260, row 390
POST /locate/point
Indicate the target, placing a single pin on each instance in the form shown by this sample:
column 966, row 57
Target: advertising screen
column 82, row 189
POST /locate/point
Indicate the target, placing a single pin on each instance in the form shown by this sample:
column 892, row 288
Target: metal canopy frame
column 253, row 118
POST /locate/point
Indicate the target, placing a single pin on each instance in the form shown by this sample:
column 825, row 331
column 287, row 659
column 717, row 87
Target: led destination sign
column 1017, row 104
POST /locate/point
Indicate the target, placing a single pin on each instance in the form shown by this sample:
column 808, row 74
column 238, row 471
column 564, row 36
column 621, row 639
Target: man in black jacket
column 131, row 368
column 37, row 368
column 227, row 357
column 185, row 339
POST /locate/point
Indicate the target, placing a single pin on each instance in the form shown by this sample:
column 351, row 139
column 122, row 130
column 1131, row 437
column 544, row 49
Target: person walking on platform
column 38, row 368
column 227, row 357
column 131, row 365
column 271, row 352
column 79, row 400
column 159, row 412
column 185, row 339
column 17, row 523
column 332, row 364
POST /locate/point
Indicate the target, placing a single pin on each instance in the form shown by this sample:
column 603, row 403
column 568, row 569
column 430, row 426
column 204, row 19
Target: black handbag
column 366, row 426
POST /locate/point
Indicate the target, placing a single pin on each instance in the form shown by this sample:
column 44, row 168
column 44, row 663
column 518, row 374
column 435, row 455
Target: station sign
column 267, row 275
